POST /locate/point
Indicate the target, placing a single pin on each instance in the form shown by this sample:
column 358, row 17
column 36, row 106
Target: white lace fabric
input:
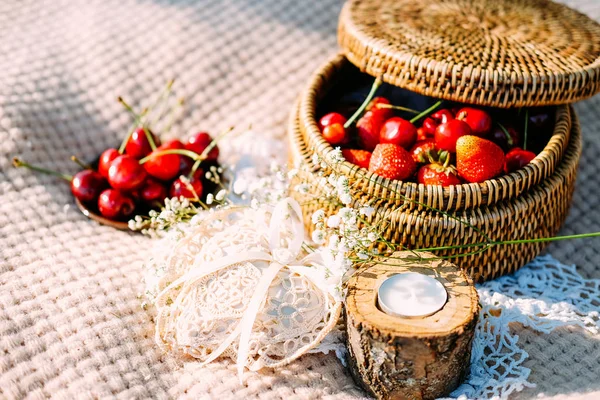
column 202, row 312
column 542, row 296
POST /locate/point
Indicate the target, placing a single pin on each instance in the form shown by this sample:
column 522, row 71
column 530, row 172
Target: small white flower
column 315, row 159
column 210, row 198
column 292, row 173
column 221, row 195
column 362, row 256
column 318, row 236
column 334, row 241
column 254, row 203
column 372, row 236
column 302, row 188
column 345, row 198
column 334, row 221
column 367, row 211
column 317, row 216
column 346, row 213
column 240, row 186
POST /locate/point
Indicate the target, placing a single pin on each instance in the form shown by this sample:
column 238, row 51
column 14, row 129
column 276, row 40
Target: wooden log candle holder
column 396, row 357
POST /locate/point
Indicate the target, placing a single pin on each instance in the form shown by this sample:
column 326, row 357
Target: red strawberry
column 398, row 131
column 479, row 121
column 392, row 161
column 478, row 159
column 438, row 174
column 369, row 126
column 357, row 157
column 447, row 134
column 419, row 150
column 516, row 159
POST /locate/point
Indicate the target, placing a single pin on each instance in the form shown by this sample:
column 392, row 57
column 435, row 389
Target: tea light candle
column 411, row 294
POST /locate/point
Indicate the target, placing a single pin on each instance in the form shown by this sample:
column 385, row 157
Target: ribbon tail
column 251, row 312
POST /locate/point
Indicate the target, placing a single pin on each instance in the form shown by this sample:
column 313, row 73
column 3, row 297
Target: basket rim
column 542, row 166
column 507, row 66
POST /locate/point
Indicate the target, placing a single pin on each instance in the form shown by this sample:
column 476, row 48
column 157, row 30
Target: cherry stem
column 525, row 132
column 365, row 103
column 17, row 162
column 207, row 150
column 508, row 137
column 181, row 152
column 138, row 118
column 426, row 112
column 136, row 123
column 162, row 100
column 410, row 110
column 174, row 109
column 81, row 163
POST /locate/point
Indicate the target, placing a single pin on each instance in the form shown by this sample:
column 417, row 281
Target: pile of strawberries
column 450, row 147
column 140, row 174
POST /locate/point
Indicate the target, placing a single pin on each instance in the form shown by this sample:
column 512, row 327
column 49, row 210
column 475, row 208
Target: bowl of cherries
column 139, row 175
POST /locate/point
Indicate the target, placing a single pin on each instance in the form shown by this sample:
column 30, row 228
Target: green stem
column 525, row 132
column 162, row 100
column 426, row 112
column 362, row 107
column 509, row 242
column 508, row 137
column 17, row 162
column 80, row 163
column 138, row 118
column 176, row 107
column 181, row 152
column 207, row 150
column 134, row 126
column 393, row 107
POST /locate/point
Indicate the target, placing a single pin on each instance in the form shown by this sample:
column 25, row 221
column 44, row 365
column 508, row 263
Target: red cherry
column 153, row 191
column 334, row 134
column 516, row 159
column 419, row 150
column 428, row 126
column 106, row 158
column 369, row 127
column 398, row 131
column 200, row 141
column 479, row 121
column 447, row 134
column 330, row 119
column 373, row 105
column 442, row 116
column 164, row 167
column 126, row 173
column 179, row 188
column 138, row 145
column 434, row 120
column 87, row 185
column 115, row 204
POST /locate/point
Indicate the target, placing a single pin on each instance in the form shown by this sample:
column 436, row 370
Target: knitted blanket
column 71, row 325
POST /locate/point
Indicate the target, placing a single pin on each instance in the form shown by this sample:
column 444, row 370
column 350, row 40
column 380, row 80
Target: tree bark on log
column 410, row 358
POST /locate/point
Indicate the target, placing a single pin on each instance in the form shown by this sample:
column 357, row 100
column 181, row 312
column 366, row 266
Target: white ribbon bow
column 284, row 253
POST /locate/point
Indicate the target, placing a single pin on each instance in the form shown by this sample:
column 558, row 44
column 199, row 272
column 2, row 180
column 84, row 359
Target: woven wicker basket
column 537, row 213
column 500, row 53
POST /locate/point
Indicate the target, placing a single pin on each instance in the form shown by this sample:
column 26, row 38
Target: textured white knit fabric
column 71, row 325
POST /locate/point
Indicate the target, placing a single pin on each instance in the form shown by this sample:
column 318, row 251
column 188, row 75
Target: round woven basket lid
column 502, row 53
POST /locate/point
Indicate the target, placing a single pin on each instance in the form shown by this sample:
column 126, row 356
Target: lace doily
column 542, row 296
column 239, row 275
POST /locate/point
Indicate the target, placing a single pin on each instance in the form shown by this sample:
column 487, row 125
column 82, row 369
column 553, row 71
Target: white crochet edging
column 542, row 296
